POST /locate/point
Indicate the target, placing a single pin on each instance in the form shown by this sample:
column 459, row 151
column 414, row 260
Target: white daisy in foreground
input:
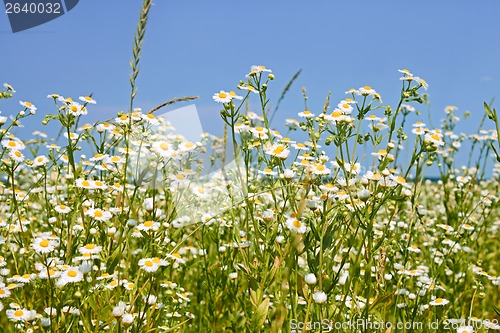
column 257, row 69
column 44, row 244
column 162, row 148
column 20, row 314
column 87, row 99
column 4, row 291
column 84, row 183
column 222, row 97
column 306, row 114
column 90, row 249
column 70, row 275
column 149, row 225
column 28, row 105
column 98, row 214
column 13, row 144
column 151, row 265
column 439, row 301
column 16, row 155
column 296, row 226
column 62, row 209
column 40, row 160
column 319, row 297
column 278, row 151
column 434, row 138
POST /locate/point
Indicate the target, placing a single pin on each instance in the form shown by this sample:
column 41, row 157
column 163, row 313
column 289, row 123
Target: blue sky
column 200, row 47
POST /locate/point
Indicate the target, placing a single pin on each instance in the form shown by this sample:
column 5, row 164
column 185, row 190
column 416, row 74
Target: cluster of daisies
column 126, row 225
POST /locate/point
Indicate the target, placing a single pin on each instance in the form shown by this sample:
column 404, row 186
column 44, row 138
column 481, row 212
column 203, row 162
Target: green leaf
column 262, row 311
column 113, row 260
column 497, row 310
column 489, row 112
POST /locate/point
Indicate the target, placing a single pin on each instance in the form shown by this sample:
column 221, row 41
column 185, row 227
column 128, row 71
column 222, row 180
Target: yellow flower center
column 336, row 114
column 90, row 246
column 98, row 213
column 86, row 183
column 28, row 104
column 12, row 144
column 222, row 95
column 148, row 263
column 44, row 243
column 148, row 223
column 297, row 224
column 439, row 300
column 18, row 313
column 164, row 146
column 367, row 87
column 72, row 273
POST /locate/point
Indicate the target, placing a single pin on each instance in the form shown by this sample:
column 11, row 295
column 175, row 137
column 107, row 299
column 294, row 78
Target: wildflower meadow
column 324, row 223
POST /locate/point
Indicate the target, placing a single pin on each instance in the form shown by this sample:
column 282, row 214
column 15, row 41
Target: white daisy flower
column 28, row 105
column 90, row 249
column 439, row 301
column 13, row 144
column 296, row 226
column 98, row 214
column 105, row 127
column 149, row 225
column 222, row 97
column 40, row 160
column 20, row 314
column 163, row 149
column 70, row 275
column 62, row 209
column 151, row 265
column 83, row 183
column 306, row 114
column 87, row 99
column 44, row 244
column 279, row 151
column 16, row 155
